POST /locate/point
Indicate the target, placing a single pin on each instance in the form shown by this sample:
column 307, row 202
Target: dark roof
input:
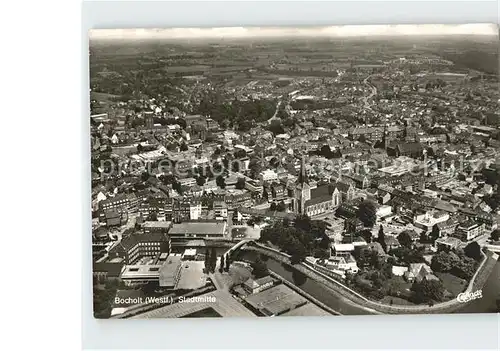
column 447, row 224
column 109, row 214
column 321, row 191
column 318, row 200
column 342, row 186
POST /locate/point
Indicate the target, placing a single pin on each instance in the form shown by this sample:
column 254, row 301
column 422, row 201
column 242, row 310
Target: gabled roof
column 253, row 284
column 343, row 187
column 409, row 147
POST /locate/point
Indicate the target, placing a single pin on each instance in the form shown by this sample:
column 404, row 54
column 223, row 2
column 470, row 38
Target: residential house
column 391, row 243
column 419, row 271
column 252, row 286
column 447, row 243
column 469, row 230
column 345, row 189
column 446, row 228
column 220, row 210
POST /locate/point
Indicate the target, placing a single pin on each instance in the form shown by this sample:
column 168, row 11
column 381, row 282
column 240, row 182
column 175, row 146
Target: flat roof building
column 140, row 274
column 199, row 229
column 170, row 272
column 276, row 300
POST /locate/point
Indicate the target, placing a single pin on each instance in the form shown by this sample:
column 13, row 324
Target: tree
column 207, row 261
column 227, row 263
column 435, row 233
column 272, row 207
column 427, row 291
column 274, row 162
column 465, row 268
column 321, row 253
column 423, row 237
column 201, row 180
column 363, row 256
column 276, row 127
column 255, row 168
column 144, row 176
column 367, row 213
column 286, row 222
column 240, row 153
column 240, row 183
column 405, row 239
column 265, row 195
column 259, row 268
column 367, row 235
column 184, row 147
column 221, row 267
column 443, row 261
column 495, row 235
column 326, row 152
column 177, row 187
column 298, row 253
column 220, row 181
column 381, row 238
column 212, row 260
column 281, row 207
column 473, row 250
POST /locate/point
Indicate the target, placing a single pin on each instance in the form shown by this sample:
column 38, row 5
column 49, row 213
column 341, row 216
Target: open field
column 452, row 283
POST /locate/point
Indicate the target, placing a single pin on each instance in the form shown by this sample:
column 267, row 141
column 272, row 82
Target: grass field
column 396, row 301
column 451, row 283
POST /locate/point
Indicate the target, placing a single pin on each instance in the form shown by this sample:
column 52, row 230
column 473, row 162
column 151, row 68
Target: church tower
column 302, row 189
column 385, row 138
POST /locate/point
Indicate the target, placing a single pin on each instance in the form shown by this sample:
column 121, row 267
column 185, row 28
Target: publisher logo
column 469, row 296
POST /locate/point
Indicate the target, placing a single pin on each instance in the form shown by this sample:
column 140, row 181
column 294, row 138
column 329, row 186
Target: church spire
column 303, row 174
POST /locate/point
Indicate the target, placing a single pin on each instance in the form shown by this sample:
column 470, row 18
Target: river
column 313, row 288
column 491, row 292
column 491, row 289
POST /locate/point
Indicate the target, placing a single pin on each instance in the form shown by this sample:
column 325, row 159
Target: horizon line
column 296, row 31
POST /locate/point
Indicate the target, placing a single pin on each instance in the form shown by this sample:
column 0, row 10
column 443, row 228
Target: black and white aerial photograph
column 295, row 171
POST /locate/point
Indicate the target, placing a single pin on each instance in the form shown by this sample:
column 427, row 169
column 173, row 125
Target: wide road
column 372, row 94
column 278, row 104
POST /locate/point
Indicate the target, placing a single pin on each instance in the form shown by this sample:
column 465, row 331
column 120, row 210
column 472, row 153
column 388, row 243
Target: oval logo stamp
column 469, row 296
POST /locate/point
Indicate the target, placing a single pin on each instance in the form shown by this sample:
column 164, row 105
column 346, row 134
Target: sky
column 330, row 31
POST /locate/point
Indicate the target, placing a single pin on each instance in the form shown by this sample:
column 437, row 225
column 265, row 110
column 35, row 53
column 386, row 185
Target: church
column 313, row 201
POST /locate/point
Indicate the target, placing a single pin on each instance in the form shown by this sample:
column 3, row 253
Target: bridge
column 235, row 247
column 494, row 248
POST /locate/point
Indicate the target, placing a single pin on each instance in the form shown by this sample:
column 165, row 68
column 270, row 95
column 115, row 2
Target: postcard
column 295, row 171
